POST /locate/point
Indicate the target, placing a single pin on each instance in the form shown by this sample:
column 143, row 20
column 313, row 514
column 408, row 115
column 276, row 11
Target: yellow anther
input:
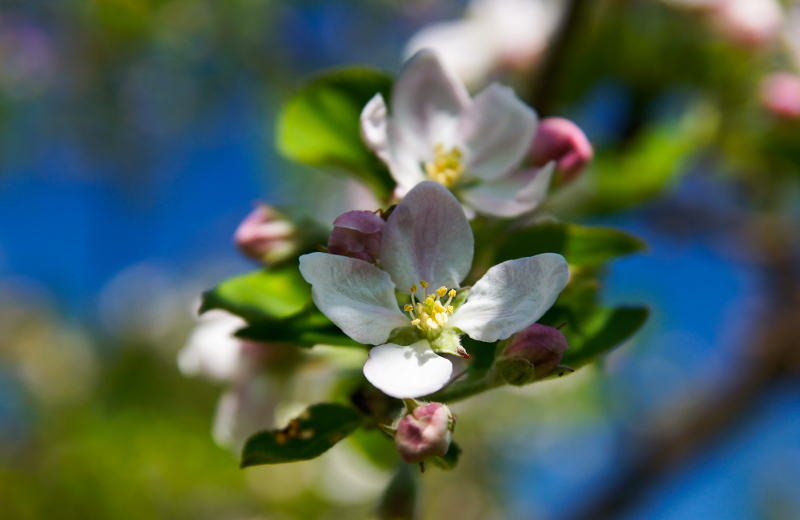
column 420, row 308
column 423, row 283
column 431, row 324
column 429, row 299
column 445, row 168
column 438, row 307
column 416, row 322
column 413, row 289
column 408, row 307
column 452, row 293
column 440, row 318
column 450, row 309
column 441, row 291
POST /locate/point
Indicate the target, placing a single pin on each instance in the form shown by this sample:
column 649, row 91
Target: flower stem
column 467, row 388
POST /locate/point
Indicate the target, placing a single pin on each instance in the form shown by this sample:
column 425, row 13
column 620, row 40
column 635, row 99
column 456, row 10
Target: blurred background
column 135, row 135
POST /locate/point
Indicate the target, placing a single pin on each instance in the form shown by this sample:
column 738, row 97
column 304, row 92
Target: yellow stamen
column 441, row 291
column 431, row 324
column 423, row 283
column 452, row 293
column 445, row 168
column 413, row 290
column 450, row 309
column 408, row 307
column 416, row 322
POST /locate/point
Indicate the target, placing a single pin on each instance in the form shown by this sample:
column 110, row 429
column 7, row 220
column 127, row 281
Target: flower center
column 430, row 315
column 445, row 168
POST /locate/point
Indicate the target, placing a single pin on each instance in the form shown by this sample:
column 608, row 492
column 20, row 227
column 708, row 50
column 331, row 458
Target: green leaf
column 378, row 447
column 604, row 330
column 581, row 246
column 450, row 458
column 306, row 437
column 305, row 330
column 319, row 126
column 268, row 294
column 653, row 161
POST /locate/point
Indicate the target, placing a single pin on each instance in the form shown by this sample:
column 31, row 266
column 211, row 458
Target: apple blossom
column 474, row 147
column 493, row 34
column 428, row 242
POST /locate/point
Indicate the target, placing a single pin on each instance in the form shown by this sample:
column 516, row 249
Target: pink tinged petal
column 424, row 433
column 561, row 140
column 355, row 295
column 510, row 197
column 411, row 371
column 511, row 296
column 373, row 128
column 496, row 132
column 357, row 234
column 426, row 102
column 427, row 237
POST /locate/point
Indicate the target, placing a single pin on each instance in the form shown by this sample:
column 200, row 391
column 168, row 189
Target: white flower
column 493, row 34
column 212, row 350
column 472, row 146
column 427, row 242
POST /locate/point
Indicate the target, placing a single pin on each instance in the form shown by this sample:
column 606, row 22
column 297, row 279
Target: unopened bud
column 531, row 354
column 561, row 140
column 357, row 234
column 265, row 235
column 780, row 94
column 425, row 432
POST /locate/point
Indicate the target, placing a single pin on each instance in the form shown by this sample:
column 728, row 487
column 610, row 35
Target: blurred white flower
column 473, row 146
column 212, row 350
column 747, row 22
column 493, row 34
column 244, row 410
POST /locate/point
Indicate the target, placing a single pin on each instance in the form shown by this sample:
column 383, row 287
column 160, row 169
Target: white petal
column 426, row 102
column 407, row 155
column 373, row 127
column 511, row 296
column 513, row 195
column 355, row 295
column 211, row 349
column 411, row 371
column 496, row 132
column 427, row 237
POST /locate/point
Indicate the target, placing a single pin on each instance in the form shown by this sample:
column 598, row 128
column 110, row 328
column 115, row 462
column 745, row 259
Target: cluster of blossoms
column 393, row 280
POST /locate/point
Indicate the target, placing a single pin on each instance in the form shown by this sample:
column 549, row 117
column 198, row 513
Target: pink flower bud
column 780, row 93
column 561, row 140
column 539, row 345
column 357, row 234
column 265, row 235
column 426, row 432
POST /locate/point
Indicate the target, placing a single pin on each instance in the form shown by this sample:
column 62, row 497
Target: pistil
column 430, row 315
